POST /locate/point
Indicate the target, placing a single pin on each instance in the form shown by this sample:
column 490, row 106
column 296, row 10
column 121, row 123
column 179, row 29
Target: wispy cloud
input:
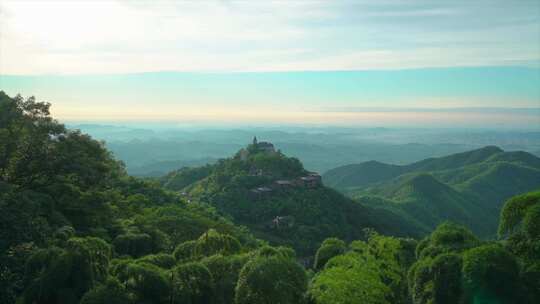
column 60, row 37
column 535, row 111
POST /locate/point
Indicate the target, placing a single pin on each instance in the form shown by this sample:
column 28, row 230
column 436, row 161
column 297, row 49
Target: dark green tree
column 447, row 237
column 520, row 226
column 437, row 280
column 271, row 280
column 185, row 251
column 163, row 260
column 437, row 275
column 212, row 242
column 192, row 283
column 132, row 244
column 64, row 275
column 112, row 292
column 225, row 271
column 490, row 275
column 144, row 282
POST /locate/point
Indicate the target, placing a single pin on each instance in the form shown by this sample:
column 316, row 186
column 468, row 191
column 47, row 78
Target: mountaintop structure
column 263, row 145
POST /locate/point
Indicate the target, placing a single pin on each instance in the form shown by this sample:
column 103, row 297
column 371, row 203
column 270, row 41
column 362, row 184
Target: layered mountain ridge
column 467, row 188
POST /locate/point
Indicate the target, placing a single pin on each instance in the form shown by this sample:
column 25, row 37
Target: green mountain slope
column 367, row 173
column 424, row 198
column 295, row 212
column 467, row 188
column 348, row 176
column 455, row 160
column 500, row 181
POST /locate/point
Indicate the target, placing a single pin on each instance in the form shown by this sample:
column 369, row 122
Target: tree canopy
column 75, row 228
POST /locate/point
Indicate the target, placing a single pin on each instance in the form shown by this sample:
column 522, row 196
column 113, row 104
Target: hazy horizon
column 437, row 97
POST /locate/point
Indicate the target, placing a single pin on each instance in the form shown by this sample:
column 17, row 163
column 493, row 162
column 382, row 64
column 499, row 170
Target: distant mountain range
column 155, row 150
column 468, row 188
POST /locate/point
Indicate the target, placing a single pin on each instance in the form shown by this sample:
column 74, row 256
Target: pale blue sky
column 120, row 36
column 277, row 60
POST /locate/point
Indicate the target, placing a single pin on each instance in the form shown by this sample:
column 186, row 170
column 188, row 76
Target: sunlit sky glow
column 275, row 61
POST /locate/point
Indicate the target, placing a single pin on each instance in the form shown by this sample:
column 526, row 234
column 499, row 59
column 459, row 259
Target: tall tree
column 271, row 280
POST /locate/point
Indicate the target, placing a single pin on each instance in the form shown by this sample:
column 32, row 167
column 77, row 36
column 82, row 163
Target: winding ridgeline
column 468, row 188
column 75, row 228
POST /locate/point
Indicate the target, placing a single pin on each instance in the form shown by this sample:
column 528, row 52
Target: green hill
column 422, row 197
column 455, row 160
column 367, row 173
column 348, row 176
column 279, row 201
column 463, row 187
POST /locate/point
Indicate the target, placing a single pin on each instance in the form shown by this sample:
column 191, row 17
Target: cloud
column 67, row 37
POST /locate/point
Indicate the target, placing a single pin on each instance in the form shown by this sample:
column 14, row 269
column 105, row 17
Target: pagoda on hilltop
column 263, row 146
column 256, row 147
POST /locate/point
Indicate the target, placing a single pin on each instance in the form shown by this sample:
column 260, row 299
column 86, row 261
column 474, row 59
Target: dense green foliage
column 271, row 279
column 460, row 188
column 368, row 272
column 349, row 279
column 67, row 208
column 330, row 248
column 76, row 229
column 449, row 266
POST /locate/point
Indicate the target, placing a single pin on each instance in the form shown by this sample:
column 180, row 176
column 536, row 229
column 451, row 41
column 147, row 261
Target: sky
column 330, row 62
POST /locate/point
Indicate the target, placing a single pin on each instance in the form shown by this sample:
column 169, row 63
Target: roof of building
column 284, row 182
column 261, row 189
column 265, row 144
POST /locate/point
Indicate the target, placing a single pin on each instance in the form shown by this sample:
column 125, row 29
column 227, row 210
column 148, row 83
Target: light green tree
column 330, row 248
column 349, row 279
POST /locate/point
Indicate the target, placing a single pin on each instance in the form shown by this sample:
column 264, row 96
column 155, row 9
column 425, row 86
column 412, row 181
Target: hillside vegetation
column 463, row 187
column 295, row 215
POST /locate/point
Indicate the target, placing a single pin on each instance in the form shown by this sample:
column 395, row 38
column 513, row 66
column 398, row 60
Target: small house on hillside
column 260, row 193
column 312, row 180
column 253, row 171
column 283, row 184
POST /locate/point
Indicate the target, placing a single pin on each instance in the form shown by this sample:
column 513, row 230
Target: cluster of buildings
column 310, row 181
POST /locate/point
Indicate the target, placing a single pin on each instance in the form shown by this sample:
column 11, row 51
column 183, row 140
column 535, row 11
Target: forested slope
column 63, row 196
column 309, row 214
column 469, row 188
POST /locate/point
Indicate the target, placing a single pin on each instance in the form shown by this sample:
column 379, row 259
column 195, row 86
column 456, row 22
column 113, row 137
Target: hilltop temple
column 255, row 147
column 263, row 145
